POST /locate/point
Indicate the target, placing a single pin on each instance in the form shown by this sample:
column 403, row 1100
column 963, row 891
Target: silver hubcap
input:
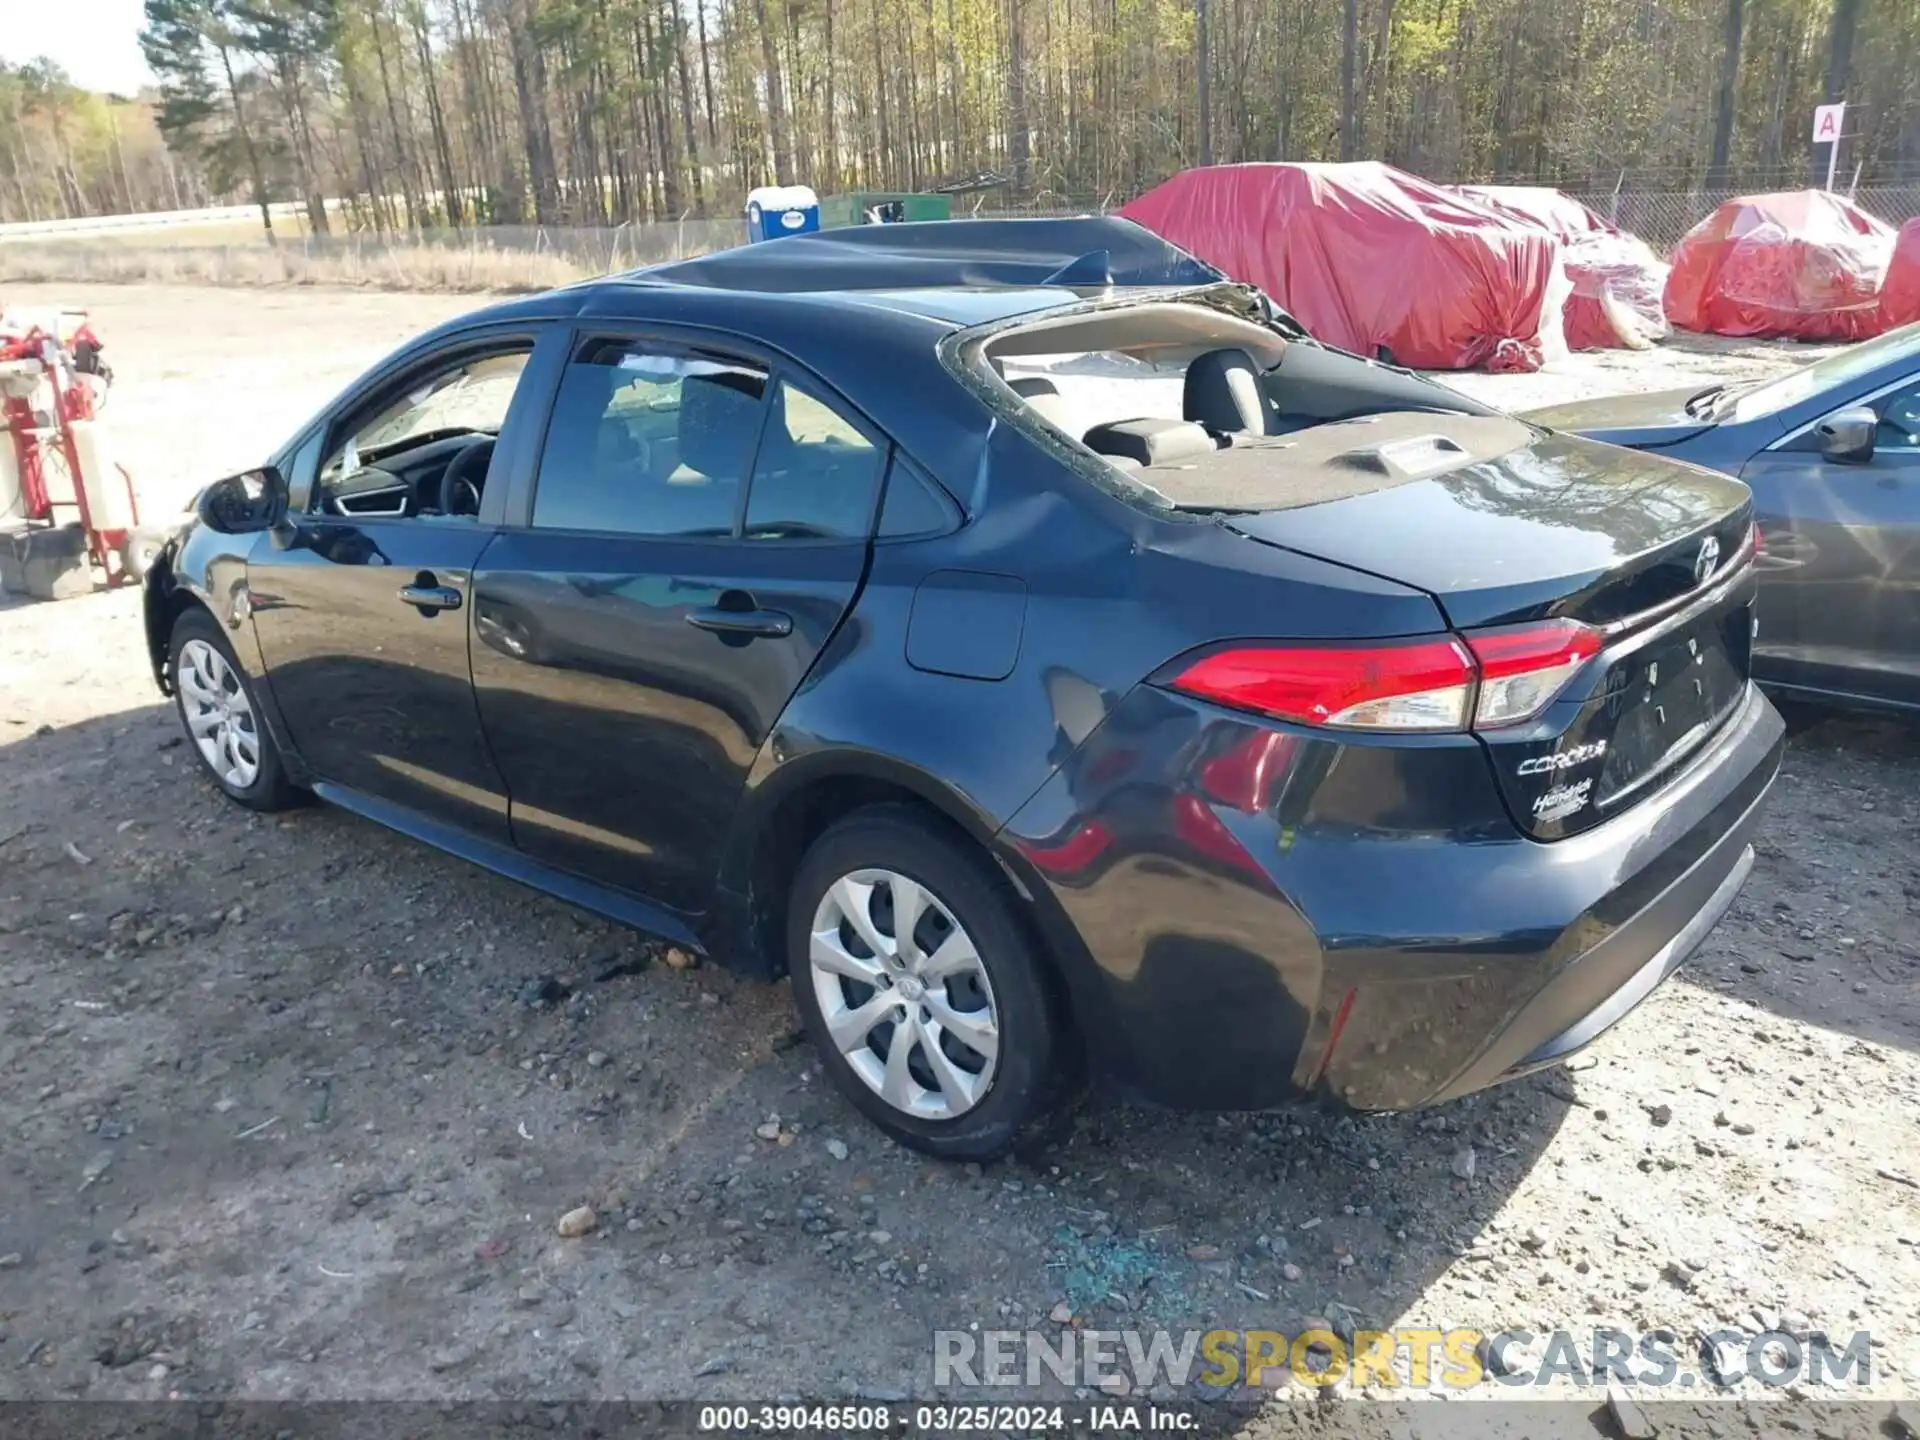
column 219, row 715
column 904, row 994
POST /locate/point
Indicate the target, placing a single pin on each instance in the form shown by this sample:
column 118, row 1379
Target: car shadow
column 1822, row 932
column 415, row 1116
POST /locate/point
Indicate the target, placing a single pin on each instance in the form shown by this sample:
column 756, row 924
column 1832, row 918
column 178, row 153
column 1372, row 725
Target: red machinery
column 53, row 456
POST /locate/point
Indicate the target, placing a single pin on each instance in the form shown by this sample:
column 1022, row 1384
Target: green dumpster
column 862, row 207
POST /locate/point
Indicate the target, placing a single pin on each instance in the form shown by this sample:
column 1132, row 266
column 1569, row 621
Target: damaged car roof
column 1090, row 251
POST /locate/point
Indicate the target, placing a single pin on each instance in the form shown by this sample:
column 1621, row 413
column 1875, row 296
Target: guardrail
column 155, row 220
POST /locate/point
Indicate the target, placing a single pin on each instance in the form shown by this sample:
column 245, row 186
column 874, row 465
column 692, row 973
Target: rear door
column 1840, row 573
column 362, row 610
column 698, row 526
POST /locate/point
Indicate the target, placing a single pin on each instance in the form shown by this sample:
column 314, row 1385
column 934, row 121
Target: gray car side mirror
column 1848, row 435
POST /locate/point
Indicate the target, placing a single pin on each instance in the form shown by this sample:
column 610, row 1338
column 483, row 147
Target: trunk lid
column 1552, row 526
column 1645, row 421
column 1645, row 705
column 1653, row 553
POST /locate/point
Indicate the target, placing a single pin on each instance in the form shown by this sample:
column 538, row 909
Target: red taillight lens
column 1522, row 667
column 1400, row 685
column 1485, row 678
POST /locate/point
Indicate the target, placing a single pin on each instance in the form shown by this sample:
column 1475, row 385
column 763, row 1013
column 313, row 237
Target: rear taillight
column 1522, row 667
column 1400, row 685
column 1482, row 679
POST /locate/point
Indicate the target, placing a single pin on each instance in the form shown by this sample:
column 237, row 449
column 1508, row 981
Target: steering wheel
column 461, row 481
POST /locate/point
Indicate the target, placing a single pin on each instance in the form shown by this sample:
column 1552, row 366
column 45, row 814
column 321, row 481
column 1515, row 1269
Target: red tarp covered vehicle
column 1804, row 265
column 1372, row 259
column 1900, row 295
column 1617, row 279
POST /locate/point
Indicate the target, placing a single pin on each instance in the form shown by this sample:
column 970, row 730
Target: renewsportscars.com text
column 1406, row 1357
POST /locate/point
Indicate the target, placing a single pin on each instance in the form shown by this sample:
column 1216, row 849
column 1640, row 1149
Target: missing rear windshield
column 1184, row 406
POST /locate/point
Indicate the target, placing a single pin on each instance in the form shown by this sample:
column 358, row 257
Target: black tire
column 1022, row 1088
column 270, row 789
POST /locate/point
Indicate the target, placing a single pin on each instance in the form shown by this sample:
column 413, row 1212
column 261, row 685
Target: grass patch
column 376, row 266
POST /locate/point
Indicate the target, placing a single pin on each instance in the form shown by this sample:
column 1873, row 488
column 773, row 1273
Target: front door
column 363, row 609
column 1840, row 565
column 698, row 527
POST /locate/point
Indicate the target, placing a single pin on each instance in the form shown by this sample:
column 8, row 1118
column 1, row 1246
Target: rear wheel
column 221, row 717
column 919, row 986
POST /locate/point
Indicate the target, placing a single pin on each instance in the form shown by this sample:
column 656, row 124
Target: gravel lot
column 284, row 1115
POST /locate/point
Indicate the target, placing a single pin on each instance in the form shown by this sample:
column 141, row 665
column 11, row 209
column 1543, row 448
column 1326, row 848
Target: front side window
column 1900, row 418
column 649, row 440
column 467, row 399
column 815, row 476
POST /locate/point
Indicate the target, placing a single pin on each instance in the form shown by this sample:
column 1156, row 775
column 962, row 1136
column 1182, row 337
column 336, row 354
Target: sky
column 97, row 42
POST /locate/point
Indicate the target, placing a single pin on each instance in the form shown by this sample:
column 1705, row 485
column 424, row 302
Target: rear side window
column 649, row 440
column 816, row 475
column 914, row 506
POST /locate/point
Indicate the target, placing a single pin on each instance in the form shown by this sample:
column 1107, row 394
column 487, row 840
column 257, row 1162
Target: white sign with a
column 1827, row 120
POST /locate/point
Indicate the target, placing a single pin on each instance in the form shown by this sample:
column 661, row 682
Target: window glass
column 815, row 475
column 469, row 398
column 1845, row 367
column 1900, row 419
column 912, row 506
column 649, row 441
column 303, row 462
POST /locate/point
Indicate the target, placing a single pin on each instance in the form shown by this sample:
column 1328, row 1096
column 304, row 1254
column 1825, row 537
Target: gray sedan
column 1832, row 452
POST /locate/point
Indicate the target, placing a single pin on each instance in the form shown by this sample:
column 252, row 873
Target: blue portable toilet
column 776, row 210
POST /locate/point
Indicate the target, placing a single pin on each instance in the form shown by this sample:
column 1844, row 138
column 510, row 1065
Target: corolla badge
column 1562, row 759
column 1707, row 561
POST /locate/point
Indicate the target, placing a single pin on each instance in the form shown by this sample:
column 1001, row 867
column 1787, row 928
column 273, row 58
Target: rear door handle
column 770, row 623
column 430, row 598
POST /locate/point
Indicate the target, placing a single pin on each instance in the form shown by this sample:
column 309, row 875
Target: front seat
column 1224, row 394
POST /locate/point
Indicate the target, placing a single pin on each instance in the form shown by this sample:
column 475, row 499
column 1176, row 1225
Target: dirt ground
column 284, row 1113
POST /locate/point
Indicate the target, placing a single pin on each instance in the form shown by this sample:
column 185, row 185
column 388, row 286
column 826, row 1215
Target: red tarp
column 1900, row 295
column 1617, row 280
column 1804, row 265
column 1370, row 258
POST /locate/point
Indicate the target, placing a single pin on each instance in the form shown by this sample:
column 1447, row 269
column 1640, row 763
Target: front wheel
column 222, row 718
column 919, row 986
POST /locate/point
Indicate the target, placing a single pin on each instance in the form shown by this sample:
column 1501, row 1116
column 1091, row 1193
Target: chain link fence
column 533, row 257
column 1662, row 217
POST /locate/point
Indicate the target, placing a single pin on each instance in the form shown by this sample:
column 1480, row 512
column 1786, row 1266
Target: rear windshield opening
column 1192, row 408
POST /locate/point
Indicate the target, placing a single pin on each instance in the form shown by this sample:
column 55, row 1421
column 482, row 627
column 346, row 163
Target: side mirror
column 242, row 504
column 1847, row 435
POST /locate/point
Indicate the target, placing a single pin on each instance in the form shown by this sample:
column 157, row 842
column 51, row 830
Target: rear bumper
column 1362, row 923
column 1605, row 985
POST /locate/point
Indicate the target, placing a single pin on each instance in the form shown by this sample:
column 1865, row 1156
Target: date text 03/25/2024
column 941, row 1419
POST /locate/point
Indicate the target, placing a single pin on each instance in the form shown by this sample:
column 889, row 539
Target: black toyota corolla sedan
column 1033, row 645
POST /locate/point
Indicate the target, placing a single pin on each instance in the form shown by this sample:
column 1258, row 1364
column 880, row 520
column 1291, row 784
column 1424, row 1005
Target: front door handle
column 428, row 598
column 770, row 623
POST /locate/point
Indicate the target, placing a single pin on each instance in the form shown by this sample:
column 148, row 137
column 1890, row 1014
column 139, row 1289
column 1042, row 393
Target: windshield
column 1836, row 371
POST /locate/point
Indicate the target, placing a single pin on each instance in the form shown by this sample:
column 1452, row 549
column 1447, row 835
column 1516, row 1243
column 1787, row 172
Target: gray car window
column 1835, row 372
column 1900, row 418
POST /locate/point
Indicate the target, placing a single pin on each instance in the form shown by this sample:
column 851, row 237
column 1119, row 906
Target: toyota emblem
column 1707, row 561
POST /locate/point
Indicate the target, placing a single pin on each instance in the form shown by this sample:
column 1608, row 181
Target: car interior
column 1160, row 390
column 667, row 451
column 425, row 453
